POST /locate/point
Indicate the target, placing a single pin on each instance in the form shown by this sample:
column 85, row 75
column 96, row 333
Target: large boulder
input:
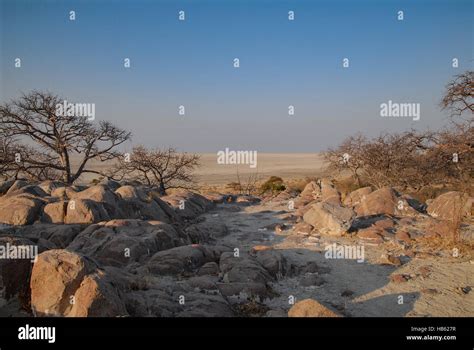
column 139, row 203
column 274, row 262
column 17, row 184
column 97, row 193
column 184, row 259
column 165, row 207
column 381, row 201
column 310, row 192
column 49, row 186
column 5, row 186
column 329, row 193
column 55, row 278
column 32, row 190
column 121, row 242
column 64, row 283
column 20, row 210
column 102, row 195
column 85, row 211
column 97, row 297
column 329, row 218
column 55, row 212
column 243, row 269
column 188, row 205
column 310, row 308
column 132, row 193
column 450, row 205
column 355, row 197
column 64, row 192
column 74, row 211
column 206, row 231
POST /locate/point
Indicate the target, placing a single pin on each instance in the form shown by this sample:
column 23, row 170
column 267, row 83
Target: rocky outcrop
column 49, row 186
column 184, row 259
column 328, row 218
column 5, row 186
column 64, row 192
column 205, row 231
column 97, row 297
column 16, row 185
column 382, row 201
column 103, row 197
column 385, row 201
column 85, row 211
column 137, row 202
column 451, row 205
column 329, row 193
column 310, row 192
column 64, row 283
column 122, row 242
column 355, row 197
column 188, row 205
column 23, row 209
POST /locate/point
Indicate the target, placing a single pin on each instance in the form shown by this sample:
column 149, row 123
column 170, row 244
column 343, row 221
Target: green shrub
column 274, row 185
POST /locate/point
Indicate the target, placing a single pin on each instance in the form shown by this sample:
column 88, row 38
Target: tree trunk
column 162, row 189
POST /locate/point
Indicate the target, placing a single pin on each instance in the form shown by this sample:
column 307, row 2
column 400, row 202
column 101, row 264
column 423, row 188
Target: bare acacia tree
column 458, row 140
column 14, row 166
column 49, row 140
column 161, row 168
column 347, row 156
column 399, row 159
column 459, row 95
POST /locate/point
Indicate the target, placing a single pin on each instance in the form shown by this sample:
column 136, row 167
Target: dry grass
column 464, row 249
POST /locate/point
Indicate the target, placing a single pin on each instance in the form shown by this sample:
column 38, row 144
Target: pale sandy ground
column 373, row 294
column 285, row 165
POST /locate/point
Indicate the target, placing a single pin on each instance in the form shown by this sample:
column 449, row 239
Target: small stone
column 387, row 259
column 424, row 271
column 347, row 293
column 260, row 248
column 371, row 235
column 430, row 291
column 310, row 308
column 403, row 236
column 303, row 228
column 384, row 224
column 280, row 228
column 399, row 278
column 464, row 290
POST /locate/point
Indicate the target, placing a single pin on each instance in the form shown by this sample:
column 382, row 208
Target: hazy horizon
column 282, row 63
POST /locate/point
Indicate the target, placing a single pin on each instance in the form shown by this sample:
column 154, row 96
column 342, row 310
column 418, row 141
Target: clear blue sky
column 282, row 63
